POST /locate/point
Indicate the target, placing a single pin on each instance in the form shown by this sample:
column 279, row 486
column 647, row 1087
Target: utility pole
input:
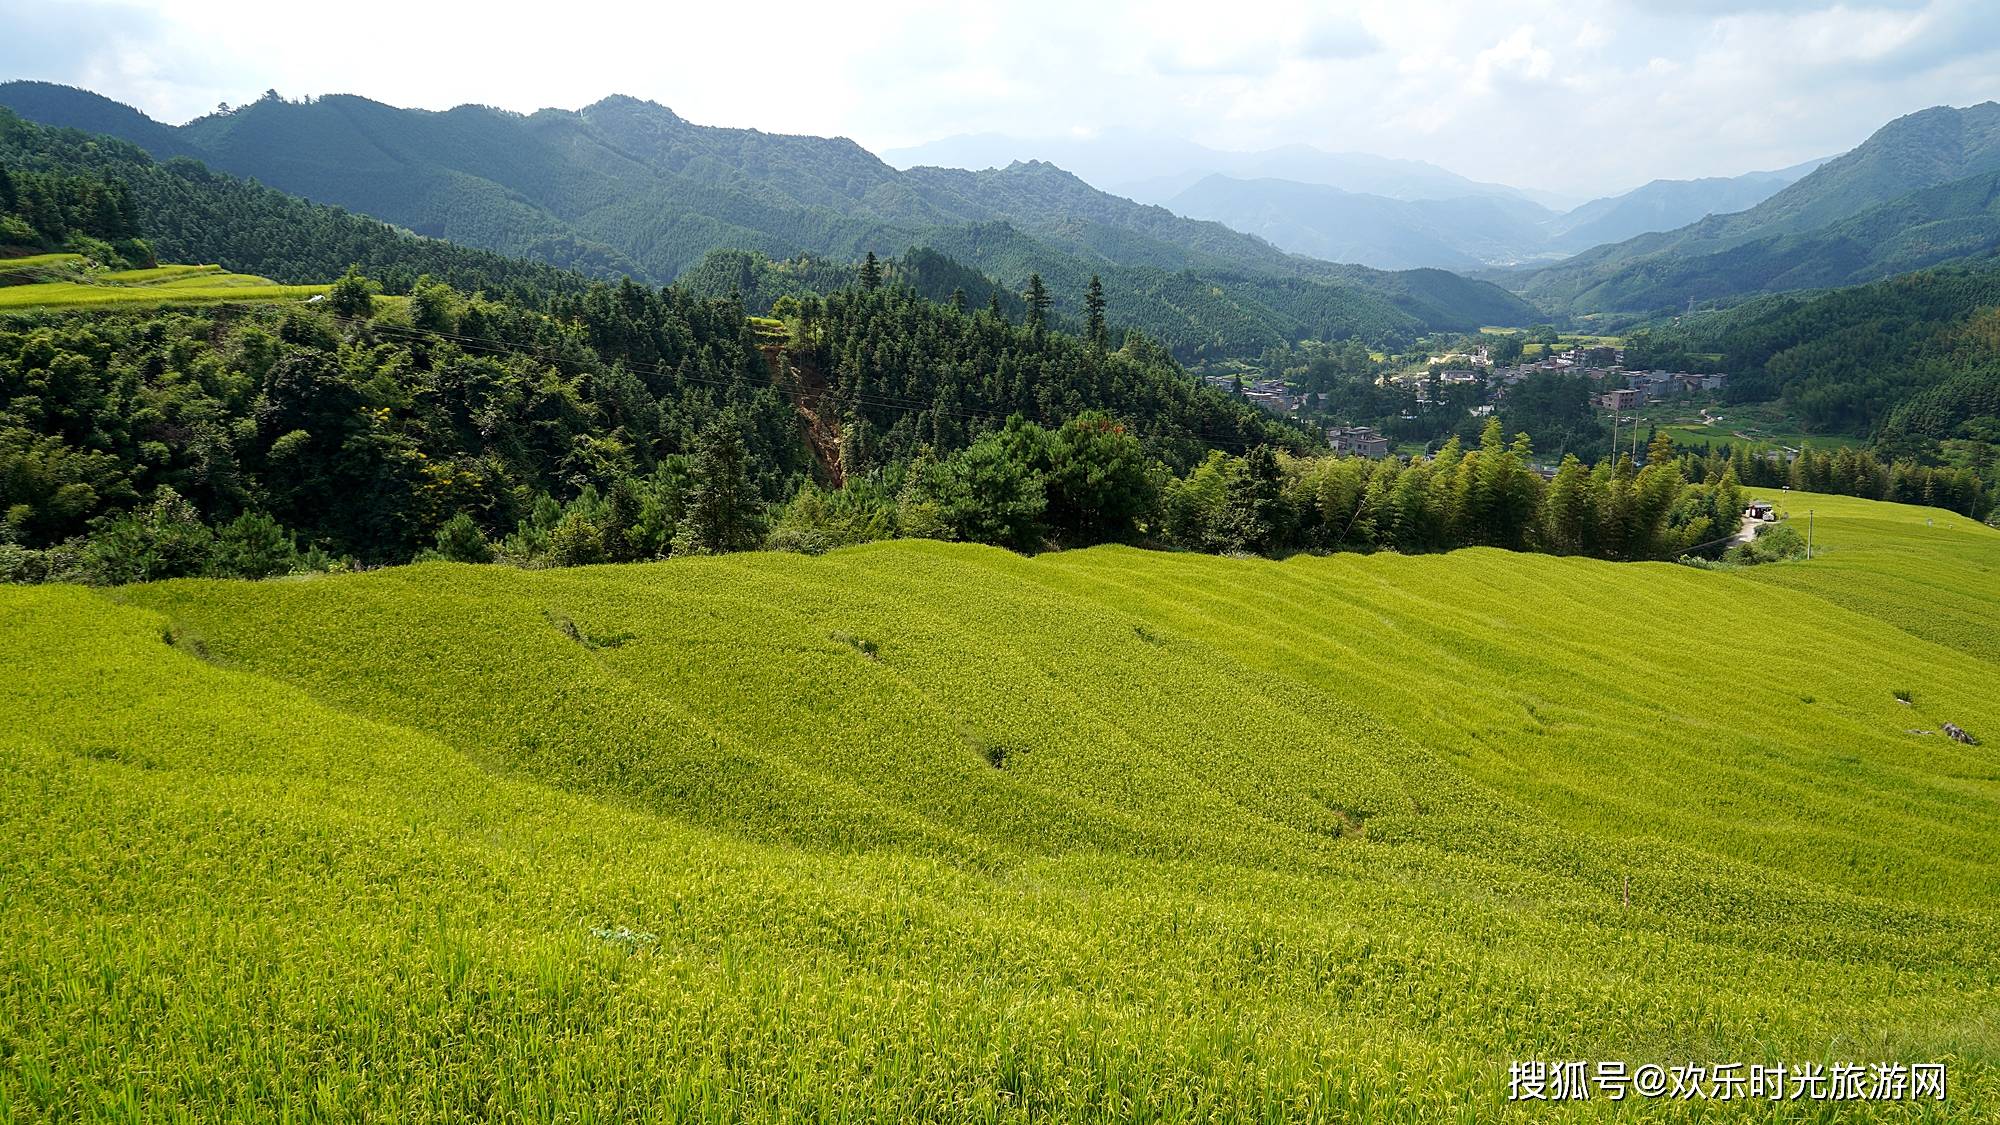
column 1809, row 523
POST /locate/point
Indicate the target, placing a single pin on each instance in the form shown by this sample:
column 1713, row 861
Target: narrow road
column 1747, row 530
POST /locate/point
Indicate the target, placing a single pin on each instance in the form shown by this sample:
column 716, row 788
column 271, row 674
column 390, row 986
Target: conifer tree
column 1038, row 304
column 1094, row 327
column 722, row 512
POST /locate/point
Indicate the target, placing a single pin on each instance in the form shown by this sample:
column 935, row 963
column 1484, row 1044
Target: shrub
column 817, row 521
column 15, row 231
column 460, row 540
column 992, row 491
column 166, row 539
column 1774, row 543
column 576, row 540
column 352, row 296
column 253, row 545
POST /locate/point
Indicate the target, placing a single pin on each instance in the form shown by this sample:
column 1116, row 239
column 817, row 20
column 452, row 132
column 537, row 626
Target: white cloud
column 1578, row 96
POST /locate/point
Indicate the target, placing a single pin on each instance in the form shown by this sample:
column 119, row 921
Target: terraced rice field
column 40, row 262
column 920, row 831
column 178, row 284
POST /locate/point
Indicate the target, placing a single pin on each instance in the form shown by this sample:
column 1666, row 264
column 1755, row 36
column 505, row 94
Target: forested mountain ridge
column 1667, row 205
column 1903, row 160
column 1957, row 220
column 1151, row 167
column 1920, row 150
column 188, row 213
column 628, row 187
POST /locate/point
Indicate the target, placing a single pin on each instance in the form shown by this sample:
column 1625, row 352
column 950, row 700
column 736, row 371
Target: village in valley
column 1408, row 405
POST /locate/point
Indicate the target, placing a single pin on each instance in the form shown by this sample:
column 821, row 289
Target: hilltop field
column 921, row 831
column 67, row 281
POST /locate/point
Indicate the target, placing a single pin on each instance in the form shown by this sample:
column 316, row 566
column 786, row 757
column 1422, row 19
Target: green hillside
column 1958, row 220
column 1845, row 360
column 917, row 831
column 1865, row 214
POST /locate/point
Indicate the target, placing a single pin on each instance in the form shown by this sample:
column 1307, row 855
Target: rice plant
column 1330, row 839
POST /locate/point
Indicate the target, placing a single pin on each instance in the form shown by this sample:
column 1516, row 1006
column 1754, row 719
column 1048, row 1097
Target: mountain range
column 1155, row 167
column 627, row 187
column 1463, row 232
column 1353, row 207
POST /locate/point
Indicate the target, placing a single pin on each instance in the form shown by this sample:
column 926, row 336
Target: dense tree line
column 620, row 423
column 901, row 373
column 1849, row 471
column 762, row 284
column 1089, row 481
column 366, row 435
column 1843, row 360
column 626, row 423
column 84, row 214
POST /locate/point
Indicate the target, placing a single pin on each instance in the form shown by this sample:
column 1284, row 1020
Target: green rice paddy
column 1759, row 427
column 934, row 832
column 41, row 262
column 159, row 285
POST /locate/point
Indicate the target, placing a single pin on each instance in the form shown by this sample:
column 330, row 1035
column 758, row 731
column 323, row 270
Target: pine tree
column 1094, row 328
column 1038, row 304
column 871, row 272
column 722, row 511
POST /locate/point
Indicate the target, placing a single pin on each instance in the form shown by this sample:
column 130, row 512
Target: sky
column 1576, row 97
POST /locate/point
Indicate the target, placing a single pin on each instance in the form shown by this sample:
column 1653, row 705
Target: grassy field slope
column 66, row 285
column 921, row 831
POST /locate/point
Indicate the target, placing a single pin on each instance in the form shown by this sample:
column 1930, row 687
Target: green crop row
column 231, row 288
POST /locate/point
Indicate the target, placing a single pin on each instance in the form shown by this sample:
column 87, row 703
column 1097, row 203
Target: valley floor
column 922, row 831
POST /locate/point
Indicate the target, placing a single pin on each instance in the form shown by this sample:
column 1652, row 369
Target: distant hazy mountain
column 1464, row 232
column 628, row 186
column 1344, row 206
column 1912, row 154
column 1667, row 204
column 1153, row 168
